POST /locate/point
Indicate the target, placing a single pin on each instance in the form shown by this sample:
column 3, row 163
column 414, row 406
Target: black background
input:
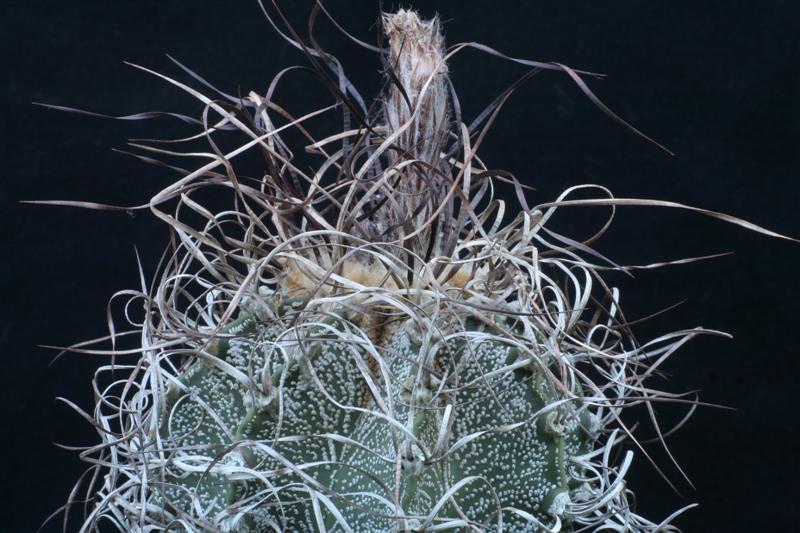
column 717, row 82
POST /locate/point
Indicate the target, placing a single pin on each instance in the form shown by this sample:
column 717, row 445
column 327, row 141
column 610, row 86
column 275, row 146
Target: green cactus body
column 460, row 414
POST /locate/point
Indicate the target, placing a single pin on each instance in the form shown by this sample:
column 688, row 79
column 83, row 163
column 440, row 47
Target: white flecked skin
column 371, row 440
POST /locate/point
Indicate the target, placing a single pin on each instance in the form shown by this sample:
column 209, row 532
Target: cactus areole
column 372, row 342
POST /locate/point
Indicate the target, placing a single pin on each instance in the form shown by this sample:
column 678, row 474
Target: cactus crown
column 377, row 345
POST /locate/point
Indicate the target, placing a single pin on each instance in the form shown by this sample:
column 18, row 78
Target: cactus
column 378, row 345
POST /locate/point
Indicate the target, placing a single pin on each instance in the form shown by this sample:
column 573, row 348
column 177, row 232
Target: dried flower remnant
column 416, row 108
